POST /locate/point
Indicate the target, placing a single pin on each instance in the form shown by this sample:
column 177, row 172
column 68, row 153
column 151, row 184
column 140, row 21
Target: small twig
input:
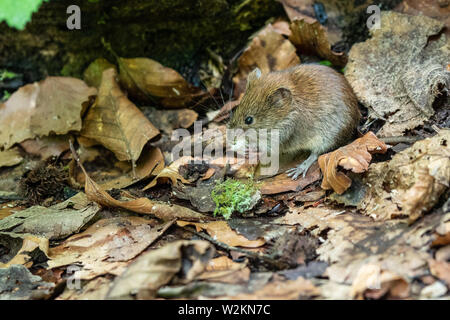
column 260, row 256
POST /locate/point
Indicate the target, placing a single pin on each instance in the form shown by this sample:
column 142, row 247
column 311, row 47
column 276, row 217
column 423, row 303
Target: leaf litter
column 134, row 233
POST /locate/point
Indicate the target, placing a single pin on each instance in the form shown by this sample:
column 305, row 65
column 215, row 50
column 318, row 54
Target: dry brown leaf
column 11, row 157
column 410, row 183
column 225, row 270
column 400, row 72
column 310, row 37
column 179, row 260
column 106, row 246
column 353, row 241
column 281, row 290
column 46, row 147
column 373, row 282
column 166, row 212
column 269, row 51
column 221, row 231
column 441, row 270
column 169, row 120
column 282, row 183
column 355, row 157
column 170, row 173
column 149, row 81
column 116, row 123
column 150, row 163
column 29, row 244
column 53, row 105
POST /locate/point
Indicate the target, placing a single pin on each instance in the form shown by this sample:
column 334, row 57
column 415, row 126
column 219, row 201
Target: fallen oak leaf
column 116, row 123
column 160, row 210
column 355, row 156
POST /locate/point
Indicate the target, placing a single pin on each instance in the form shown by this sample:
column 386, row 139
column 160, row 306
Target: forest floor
column 92, row 205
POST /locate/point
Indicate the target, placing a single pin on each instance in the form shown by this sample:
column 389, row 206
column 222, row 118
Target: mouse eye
column 248, row 120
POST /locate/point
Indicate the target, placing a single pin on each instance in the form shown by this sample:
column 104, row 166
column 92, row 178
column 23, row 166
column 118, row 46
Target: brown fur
column 315, row 110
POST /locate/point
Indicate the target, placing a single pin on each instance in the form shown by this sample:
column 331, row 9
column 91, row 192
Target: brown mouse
column 313, row 107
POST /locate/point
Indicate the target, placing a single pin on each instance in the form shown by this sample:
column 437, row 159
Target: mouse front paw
column 295, row 172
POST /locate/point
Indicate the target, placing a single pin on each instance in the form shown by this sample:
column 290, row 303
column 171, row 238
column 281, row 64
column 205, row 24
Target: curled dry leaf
column 156, row 268
column 25, row 255
column 161, row 210
column 170, row 173
column 269, row 51
column 410, row 183
column 149, row 81
column 355, row 157
column 150, row 163
column 116, row 123
column 106, row 246
column 400, row 71
column 53, row 105
column 310, row 37
column 221, row 231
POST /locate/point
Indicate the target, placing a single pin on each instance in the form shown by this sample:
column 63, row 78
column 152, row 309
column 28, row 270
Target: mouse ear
column 255, row 74
column 280, row 96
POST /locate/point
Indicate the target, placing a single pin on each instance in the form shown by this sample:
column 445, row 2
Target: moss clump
column 234, row 196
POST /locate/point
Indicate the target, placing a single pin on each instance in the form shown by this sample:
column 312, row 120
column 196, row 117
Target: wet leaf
column 53, row 105
column 355, row 157
column 116, row 123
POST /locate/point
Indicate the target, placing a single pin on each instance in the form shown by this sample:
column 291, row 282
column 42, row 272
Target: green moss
column 233, row 196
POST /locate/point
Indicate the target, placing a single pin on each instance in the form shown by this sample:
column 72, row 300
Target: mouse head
column 265, row 104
